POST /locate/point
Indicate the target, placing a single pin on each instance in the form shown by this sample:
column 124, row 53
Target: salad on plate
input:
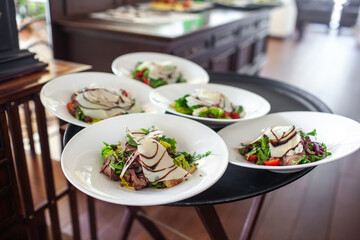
column 148, row 159
column 157, row 73
column 208, row 104
column 94, row 104
column 284, row 146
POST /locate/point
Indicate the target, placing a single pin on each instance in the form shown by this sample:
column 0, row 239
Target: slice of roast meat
column 129, row 148
column 136, row 166
column 137, row 181
column 107, row 170
column 289, row 160
column 170, row 152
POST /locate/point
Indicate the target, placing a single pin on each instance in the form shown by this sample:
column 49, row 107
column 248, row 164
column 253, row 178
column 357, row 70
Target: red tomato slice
column 272, row 162
column 235, row 115
column 69, row 105
column 252, row 158
column 139, row 74
column 146, row 81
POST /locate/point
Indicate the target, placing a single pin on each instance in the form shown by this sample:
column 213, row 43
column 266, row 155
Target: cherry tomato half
column 272, row 162
column 252, row 158
column 235, row 115
column 139, row 74
column 69, row 105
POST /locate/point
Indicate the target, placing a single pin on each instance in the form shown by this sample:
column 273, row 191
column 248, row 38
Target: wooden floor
column 322, row 205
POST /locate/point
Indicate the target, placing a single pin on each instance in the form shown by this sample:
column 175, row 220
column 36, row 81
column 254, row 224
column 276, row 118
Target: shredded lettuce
column 107, row 150
column 217, row 112
column 157, row 184
column 181, row 162
column 156, row 82
column 192, row 158
column 170, row 141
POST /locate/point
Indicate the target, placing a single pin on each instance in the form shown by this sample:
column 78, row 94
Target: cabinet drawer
column 192, row 50
column 262, row 24
column 245, row 55
column 247, row 30
column 224, row 61
column 226, row 36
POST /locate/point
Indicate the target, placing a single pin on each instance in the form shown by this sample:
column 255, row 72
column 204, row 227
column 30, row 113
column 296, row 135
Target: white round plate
column 254, row 105
column 124, row 65
column 57, row 93
column 81, row 159
column 341, row 135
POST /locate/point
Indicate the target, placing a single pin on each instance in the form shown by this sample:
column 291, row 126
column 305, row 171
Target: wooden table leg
column 146, row 223
column 126, row 223
column 252, row 216
column 211, row 221
column 92, row 217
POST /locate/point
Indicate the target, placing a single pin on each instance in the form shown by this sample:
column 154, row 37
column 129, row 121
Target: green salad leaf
column 261, row 149
column 80, row 115
column 181, row 162
column 238, row 109
column 130, row 140
column 107, row 150
column 192, row 158
column 217, row 112
column 156, row 82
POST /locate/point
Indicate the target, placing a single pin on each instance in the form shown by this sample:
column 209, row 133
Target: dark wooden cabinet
column 224, row 61
column 217, row 39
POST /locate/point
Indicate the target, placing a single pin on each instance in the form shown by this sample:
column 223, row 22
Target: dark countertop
column 212, row 18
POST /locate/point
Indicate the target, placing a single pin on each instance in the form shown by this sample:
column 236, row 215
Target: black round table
column 239, row 183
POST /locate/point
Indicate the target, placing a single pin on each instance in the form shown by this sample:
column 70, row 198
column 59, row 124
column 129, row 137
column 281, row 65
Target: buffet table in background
column 218, row 39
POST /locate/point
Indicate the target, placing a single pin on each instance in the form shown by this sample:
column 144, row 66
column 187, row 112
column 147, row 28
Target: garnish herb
column 192, row 158
column 157, row 184
column 117, row 165
column 261, row 149
column 306, row 135
column 116, row 155
column 107, row 150
column 80, row 114
column 238, row 109
column 145, row 130
column 130, row 140
column 313, row 133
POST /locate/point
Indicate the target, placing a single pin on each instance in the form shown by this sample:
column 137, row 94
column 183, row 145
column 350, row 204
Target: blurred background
column 311, row 44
